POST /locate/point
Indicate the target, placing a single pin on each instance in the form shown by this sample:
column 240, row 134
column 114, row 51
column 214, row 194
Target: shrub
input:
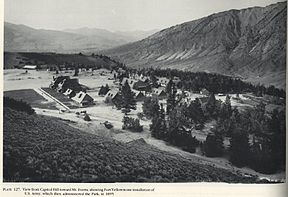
column 18, row 105
column 87, row 118
column 132, row 124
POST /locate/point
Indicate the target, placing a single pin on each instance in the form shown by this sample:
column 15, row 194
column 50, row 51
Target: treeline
column 256, row 139
column 216, row 83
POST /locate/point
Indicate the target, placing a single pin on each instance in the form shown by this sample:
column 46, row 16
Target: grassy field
column 42, row 149
column 31, row 97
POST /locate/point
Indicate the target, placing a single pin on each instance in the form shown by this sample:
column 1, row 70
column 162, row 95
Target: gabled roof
column 158, row 91
column 81, row 97
column 111, row 93
column 67, row 92
column 130, row 81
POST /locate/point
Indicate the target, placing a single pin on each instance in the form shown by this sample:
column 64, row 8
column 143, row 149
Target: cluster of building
column 71, row 88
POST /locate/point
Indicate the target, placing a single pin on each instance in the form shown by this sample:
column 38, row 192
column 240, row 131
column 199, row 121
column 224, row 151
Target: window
column 80, row 95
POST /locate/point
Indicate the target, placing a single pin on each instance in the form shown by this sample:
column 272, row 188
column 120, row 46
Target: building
column 204, row 92
column 112, row 96
column 72, row 84
column 140, row 85
column 83, row 99
column 163, row 81
column 57, row 80
column 160, row 93
column 130, row 81
column 139, row 96
column 30, row 67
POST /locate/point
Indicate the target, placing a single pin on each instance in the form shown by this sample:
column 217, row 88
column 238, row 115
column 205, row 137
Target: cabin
column 72, row 84
column 139, row 96
column 140, row 85
column 163, row 81
column 204, row 92
column 112, row 96
column 83, row 99
column 30, row 67
column 130, row 81
column 160, row 93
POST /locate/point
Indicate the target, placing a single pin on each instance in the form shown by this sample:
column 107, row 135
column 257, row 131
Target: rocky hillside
column 248, row 43
column 43, row 149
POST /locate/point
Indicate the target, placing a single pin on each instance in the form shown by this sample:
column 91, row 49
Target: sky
column 116, row 15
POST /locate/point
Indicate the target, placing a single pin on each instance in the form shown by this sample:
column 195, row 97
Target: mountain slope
column 21, row 38
column 249, row 43
column 44, row 149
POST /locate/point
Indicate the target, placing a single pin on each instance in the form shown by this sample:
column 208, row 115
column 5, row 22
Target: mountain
column 127, row 36
column 248, row 43
column 21, row 38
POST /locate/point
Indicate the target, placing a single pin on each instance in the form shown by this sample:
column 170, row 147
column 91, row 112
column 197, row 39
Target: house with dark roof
column 112, row 96
column 83, row 99
column 160, row 93
column 140, row 85
column 57, row 80
column 139, row 96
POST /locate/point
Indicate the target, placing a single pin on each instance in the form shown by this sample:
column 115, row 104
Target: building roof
column 111, row 93
column 30, row 67
column 82, row 97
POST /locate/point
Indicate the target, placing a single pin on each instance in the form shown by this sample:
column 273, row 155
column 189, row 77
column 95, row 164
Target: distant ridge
column 21, row 38
column 248, row 43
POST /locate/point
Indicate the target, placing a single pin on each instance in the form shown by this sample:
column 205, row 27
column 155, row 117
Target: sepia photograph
column 142, row 91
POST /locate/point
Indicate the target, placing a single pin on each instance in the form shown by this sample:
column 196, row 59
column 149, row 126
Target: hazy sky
column 116, row 14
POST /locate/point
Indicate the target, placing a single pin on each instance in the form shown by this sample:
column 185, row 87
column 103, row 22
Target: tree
column 87, row 117
column 226, row 109
column 103, row 90
column 154, row 80
column 76, row 72
column 211, row 107
column 195, row 113
column 277, row 129
column 239, row 148
column 158, row 127
column 150, row 106
column 132, row 124
column 171, row 96
column 213, row 145
column 128, row 101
